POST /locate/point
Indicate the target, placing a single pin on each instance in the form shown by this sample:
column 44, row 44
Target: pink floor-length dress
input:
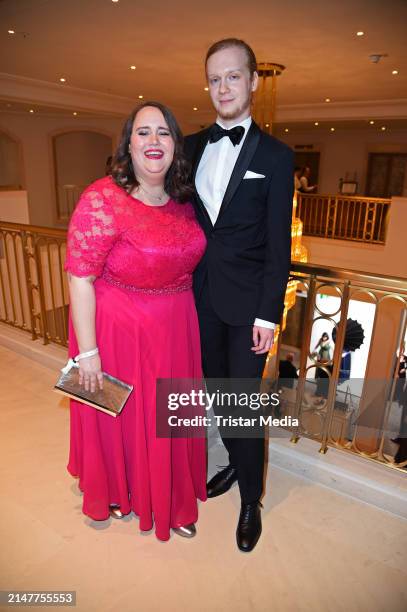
column 146, row 328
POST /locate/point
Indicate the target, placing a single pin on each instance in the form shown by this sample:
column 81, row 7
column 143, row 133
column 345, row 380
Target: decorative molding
column 357, row 110
column 23, row 89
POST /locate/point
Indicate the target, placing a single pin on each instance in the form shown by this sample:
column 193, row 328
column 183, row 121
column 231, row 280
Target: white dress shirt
column 213, row 176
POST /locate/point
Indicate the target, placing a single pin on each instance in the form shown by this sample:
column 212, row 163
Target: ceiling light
column 11, row 31
column 267, row 125
column 115, row 1
column 141, row 97
column 206, row 88
column 327, row 99
column 316, row 123
column 195, row 108
column 63, row 80
column 31, row 110
column 132, row 67
column 75, row 113
column 286, row 130
column 394, row 71
column 332, row 129
column 371, row 122
column 360, row 33
column 383, row 127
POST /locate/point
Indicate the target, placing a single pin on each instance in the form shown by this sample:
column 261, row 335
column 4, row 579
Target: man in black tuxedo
column 244, row 190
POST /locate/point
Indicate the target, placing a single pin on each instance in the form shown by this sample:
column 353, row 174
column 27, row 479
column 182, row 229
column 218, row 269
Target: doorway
column 386, row 174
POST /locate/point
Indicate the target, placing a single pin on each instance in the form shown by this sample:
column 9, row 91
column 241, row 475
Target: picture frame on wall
column 349, row 187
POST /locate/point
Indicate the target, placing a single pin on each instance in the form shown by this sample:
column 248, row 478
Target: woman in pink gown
column 132, row 248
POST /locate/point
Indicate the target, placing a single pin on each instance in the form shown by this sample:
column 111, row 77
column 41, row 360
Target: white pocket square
column 251, row 175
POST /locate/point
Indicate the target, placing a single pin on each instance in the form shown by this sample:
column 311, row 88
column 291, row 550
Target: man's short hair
column 226, row 43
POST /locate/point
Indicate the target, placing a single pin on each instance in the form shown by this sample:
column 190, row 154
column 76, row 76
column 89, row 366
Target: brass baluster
column 9, row 276
column 309, row 313
column 19, row 290
column 29, row 283
column 336, row 362
column 61, row 278
column 3, row 288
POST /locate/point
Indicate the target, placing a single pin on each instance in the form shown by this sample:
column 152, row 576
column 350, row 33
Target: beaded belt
column 151, row 291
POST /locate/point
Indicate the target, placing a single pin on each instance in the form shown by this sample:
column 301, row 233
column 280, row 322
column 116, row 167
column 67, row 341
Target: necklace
column 159, row 198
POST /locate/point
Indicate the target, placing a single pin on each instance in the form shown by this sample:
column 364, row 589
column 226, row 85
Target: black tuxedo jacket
column 247, row 260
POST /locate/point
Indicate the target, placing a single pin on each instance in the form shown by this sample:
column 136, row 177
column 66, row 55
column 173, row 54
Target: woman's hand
column 90, row 373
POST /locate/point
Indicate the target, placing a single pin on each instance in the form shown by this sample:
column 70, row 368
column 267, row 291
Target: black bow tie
column 235, row 134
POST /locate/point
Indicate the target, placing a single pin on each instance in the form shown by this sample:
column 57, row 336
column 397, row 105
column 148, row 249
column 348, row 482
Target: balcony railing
column 344, row 217
column 33, row 286
column 358, row 416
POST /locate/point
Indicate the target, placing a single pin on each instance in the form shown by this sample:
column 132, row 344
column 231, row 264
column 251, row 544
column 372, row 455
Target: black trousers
column 226, row 353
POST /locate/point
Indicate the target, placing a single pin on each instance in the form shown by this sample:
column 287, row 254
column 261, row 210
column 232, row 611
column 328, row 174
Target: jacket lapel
column 242, row 164
column 199, row 149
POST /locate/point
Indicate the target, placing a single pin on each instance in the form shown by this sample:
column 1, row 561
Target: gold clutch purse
column 111, row 399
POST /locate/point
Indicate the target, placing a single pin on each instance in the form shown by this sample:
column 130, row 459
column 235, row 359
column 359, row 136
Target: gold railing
column 344, row 217
column 33, row 287
column 361, row 415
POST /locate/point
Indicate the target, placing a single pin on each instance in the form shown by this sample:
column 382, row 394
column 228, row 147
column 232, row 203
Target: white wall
column 346, row 150
column 14, row 207
column 35, row 133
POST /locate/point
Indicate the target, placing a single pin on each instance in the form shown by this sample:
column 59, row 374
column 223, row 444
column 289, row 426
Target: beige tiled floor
column 319, row 551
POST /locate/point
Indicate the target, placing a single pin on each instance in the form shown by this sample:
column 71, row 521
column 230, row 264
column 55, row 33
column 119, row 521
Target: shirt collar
column 246, row 124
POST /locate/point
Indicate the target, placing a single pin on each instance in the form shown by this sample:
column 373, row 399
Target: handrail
column 379, row 281
column 36, row 229
column 348, row 198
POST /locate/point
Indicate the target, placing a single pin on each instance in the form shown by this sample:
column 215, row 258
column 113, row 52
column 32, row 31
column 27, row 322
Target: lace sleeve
column 91, row 234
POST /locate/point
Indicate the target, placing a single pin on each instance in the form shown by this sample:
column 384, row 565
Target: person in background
column 305, row 187
column 400, row 396
column 323, row 354
column 297, row 176
column 288, row 371
column 133, row 244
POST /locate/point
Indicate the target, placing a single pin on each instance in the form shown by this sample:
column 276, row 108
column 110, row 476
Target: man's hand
column 263, row 339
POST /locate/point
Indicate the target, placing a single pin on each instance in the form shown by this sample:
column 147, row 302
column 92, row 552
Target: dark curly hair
column 176, row 183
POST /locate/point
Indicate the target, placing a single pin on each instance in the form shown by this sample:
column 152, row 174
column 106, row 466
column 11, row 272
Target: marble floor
column 320, row 551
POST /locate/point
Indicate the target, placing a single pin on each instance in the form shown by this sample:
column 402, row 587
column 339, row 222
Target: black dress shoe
column 221, row 482
column 249, row 526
